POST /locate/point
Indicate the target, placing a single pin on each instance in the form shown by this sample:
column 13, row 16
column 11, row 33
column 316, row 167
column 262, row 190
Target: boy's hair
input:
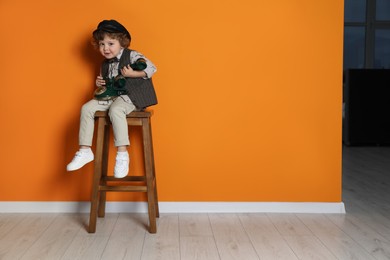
column 99, row 35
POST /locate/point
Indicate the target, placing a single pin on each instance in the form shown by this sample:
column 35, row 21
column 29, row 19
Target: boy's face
column 109, row 48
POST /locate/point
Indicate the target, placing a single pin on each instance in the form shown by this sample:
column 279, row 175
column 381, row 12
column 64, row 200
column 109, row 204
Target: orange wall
column 249, row 92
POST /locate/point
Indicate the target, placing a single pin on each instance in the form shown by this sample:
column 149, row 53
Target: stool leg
column 102, row 197
column 149, row 174
column 154, row 171
column 96, row 175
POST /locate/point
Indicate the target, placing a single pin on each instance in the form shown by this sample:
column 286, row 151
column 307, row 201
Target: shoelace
column 78, row 155
column 121, row 162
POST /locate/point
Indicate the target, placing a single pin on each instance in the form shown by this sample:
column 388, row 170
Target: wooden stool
column 103, row 183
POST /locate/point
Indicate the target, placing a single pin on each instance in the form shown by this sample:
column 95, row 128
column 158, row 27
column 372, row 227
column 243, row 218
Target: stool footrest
column 124, row 179
column 123, row 188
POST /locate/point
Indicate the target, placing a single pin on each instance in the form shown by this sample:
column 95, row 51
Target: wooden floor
column 362, row 233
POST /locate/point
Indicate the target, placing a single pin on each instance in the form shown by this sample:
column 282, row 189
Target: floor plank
column 199, row 248
column 309, row 247
column 165, row 244
column 91, row 246
column 27, row 229
column 196, row 238
column 127, row 237
column 266, row 239
column 195, row 225
column 299, row 237
column 56, row 238
column 368, row 238
column 8, row 221
column 289, row 225
column 231, row 239
column 337, row 241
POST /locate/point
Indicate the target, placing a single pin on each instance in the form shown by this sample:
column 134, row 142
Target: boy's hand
column 100, row 81
column 127, row 71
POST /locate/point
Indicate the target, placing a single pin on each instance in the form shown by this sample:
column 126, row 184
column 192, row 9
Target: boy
column 118, row 69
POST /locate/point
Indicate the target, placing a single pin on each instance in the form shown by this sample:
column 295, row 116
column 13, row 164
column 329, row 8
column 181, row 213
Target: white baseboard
column 176, row 207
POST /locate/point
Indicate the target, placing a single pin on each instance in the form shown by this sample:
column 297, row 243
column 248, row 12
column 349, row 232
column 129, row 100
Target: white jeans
column 117, row 110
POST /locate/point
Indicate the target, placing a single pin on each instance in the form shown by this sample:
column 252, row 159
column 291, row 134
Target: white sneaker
column 82, row 157
column 121, row 165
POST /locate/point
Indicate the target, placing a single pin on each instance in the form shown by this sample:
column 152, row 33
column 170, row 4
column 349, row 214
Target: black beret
column 112, row 26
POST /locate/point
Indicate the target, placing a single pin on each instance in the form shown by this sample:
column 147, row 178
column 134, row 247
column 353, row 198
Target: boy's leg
column 118, row 111
column 87, row 119
column 87, row 124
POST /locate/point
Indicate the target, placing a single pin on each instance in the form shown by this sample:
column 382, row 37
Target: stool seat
column 103, row 183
